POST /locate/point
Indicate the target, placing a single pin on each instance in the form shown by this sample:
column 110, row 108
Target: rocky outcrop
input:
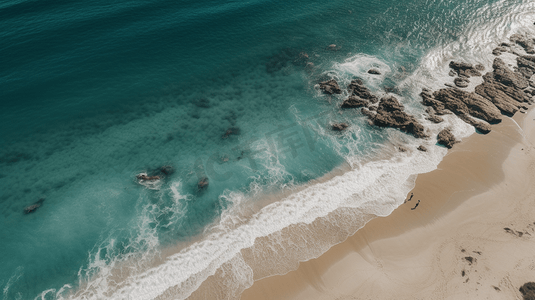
column 446, row 138
column 462, row 102
column 526, row 65
column 465, row 69
column 524, row 42
column 390, row 114
column 357, row 88
column 504, row 88
column 330, row 87
column 480, row 126
column 354, row 102
column 339, row 126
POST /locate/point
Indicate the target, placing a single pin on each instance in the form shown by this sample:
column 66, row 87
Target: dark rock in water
column 145, row 177
column 330, row 87
column 452, row 73
column 480, row 67
column 528, row 291
column 167, row 170
column 402, row 149
column 461, row 102
column 339, row 126
column 354, row 102
column 422, row 148
column 464, row 69
column 390, row 114
column 524, row 42
column 31, row 208
column 231, row 131
column 461, row 82
column 435, row 119
column 357, row 88
column 203, row 183
column 446, row 138
column 374, row 71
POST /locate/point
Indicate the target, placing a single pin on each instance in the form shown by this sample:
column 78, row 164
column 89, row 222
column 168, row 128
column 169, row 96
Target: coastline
column 419, row 253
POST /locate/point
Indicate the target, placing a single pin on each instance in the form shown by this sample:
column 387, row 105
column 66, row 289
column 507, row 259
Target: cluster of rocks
column 504, row 91
column 464, row 71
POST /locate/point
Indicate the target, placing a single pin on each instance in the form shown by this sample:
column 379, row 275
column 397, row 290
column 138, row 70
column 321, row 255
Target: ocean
column 219, row 99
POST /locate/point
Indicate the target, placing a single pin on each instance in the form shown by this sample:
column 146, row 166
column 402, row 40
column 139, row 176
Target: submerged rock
column 330, row 87
column 339, row 126
column 446, row 138
column 203, row 183
column 390, row 114
column 357, row 88
column 231, row 131
column 354, row 102
column 31, row 208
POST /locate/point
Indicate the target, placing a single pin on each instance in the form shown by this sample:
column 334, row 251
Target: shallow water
column 94, row 93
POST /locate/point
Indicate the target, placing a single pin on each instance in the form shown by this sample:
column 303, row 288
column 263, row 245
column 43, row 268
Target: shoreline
column 418, row 253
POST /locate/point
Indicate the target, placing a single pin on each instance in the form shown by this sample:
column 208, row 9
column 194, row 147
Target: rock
column 462, row 102
column 435, row 119
column 526, row 66
column 145, row 177
column 402, row 149
column 528, row 290
column 480, row 67
column 330, row 87
column 480, row 126
column 504, row 88
column 339, row 126
column 422, row 148
column 464, row 69
column 354, row 102
column 446, row 138
column 203, row 183
column 167, row 170
column 524, row 42
column 373, row 108
column 499, row 50
column 357, row 88
column 390, row 114
column 332, row 47
column 461, row 82
column 32, row 208
column 374, row 71
column 231, row 131
column 452, row 73
column 429, row 100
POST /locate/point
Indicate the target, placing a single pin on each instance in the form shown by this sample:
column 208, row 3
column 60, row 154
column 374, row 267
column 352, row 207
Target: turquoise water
column 94, row 93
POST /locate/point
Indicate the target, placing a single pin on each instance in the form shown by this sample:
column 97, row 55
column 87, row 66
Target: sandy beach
column 472, row 235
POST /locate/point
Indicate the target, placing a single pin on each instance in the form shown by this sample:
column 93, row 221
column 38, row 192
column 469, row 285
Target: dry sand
column 454, row 245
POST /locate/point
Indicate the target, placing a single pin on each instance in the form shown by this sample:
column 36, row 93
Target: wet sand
column 472, row 236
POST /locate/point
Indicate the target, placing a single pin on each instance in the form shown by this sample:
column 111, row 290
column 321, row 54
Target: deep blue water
column 94, row 92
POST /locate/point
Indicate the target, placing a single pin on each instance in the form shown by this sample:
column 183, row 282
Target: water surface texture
column 93, row 93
